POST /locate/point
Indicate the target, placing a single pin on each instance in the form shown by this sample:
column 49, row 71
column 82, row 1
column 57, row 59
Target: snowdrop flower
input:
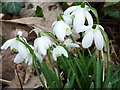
column 41, row 45
column 24, row 54
column 61, row 29
column 66, row 15
column 93, row 34
column 69, row 43
column 79, row 15
column 58, row 51
column 13, row 43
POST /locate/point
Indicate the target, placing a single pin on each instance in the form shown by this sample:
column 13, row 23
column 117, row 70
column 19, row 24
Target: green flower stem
column 107, row 44
column 30, row 49
column 83, row 76
column 99, row 55
column 52, row 36
column 38, row 35
column 34, row 59
column 88, row 3
column 59, row 17
column 59, row 74
column 35, row 66
column 90, row 53
column 95, row 13
column 74, row 73
column 48, row 54
column 81, row 58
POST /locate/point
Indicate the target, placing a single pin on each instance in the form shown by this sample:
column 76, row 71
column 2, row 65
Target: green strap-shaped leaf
column 12, row 7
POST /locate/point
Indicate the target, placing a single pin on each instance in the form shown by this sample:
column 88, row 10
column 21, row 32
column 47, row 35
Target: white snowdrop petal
column 54, row 23
column 36, row 43
column 18, row 59
column 39, row 56
column 30, row 62
column 68, row 32
column 67, row 19
column 28, row 58
column 7, row 43
column 20, row 33
column 79, row 19
column 14, row 45
column 87, row 39
column 69, row 43
column 70, row 9
column 62, row 51
column 42, row 44
column 89, row 18
column 82, row 28
column 43, row 51
column 23, row 50
column 60, row 29
column 98, row 38
column 72, row 45
column 58, row 51
column 54, row 54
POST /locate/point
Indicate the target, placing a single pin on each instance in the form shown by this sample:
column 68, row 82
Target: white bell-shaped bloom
column 69, row 43
column 58, row 51
column 93, row 34
column 61, row 29
column 19, row 58
column 23, row 54
column 79, row 16
column 41, row 45
column 12, row 43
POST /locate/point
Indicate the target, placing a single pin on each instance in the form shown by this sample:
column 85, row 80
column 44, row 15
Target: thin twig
column 19, row 78
column 3, row 80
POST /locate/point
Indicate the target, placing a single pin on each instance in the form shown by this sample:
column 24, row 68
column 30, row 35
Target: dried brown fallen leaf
column 7, row 64
column 34, row 82
column 27, row 20
column 9, row 30
column 29, row 72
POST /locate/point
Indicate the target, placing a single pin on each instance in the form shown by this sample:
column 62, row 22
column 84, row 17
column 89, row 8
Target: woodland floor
column 25, row 22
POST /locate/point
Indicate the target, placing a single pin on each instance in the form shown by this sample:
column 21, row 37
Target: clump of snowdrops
column 78, row 71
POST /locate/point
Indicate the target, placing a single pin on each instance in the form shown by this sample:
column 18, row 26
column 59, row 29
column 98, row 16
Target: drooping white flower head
column 79, row 15
column 93, row 34
column 61, row 29
column 13, row 43
column 69, row 43
column 41, row 45
column 23, row 54
column 58, row 51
